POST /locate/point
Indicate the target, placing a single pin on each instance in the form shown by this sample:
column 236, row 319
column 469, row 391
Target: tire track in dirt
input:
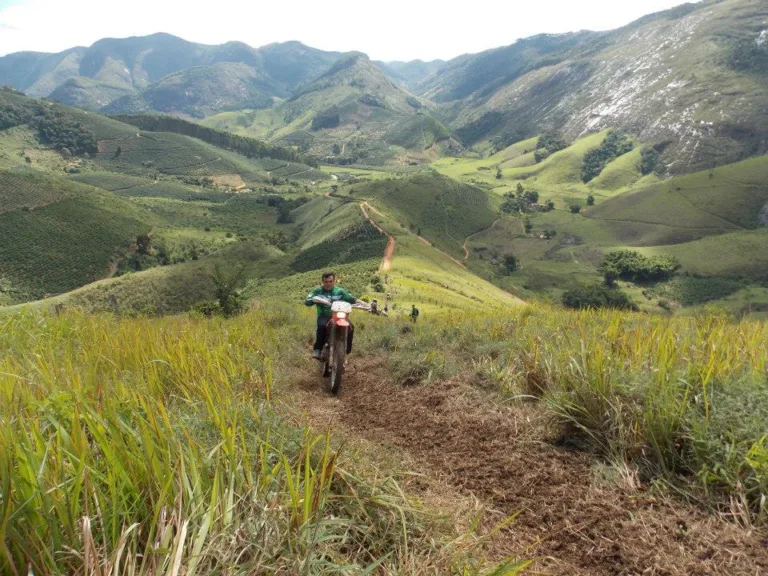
column 576, row 527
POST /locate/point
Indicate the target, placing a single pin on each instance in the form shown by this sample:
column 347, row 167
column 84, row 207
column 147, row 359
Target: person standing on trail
column 414, row 313
column 329, row 291
column 375, row 307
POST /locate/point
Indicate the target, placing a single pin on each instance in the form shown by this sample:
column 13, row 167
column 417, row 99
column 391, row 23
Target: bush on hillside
column 650, row 161
column 615, row 144
column 548, row 143
column 509, row 137
column 327, row 119
column 248, row 147
column 749, row 56
column 229, row 296
column 510, row 263
column 597, row 296
column 521, row 201
column 633, row 266
column 54, row 126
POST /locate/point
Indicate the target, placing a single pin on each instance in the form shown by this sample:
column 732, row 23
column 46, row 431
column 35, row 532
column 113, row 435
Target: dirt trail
column 468, row 238
column 386, row 262
column 573, row 524
column 422, row 238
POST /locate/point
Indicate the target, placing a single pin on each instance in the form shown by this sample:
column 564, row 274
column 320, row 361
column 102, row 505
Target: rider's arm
column 312, row 294
column 347, row 297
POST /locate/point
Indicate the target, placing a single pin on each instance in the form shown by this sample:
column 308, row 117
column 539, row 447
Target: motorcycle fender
column 341, row 323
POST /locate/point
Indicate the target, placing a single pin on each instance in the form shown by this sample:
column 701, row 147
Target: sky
column 384, row 29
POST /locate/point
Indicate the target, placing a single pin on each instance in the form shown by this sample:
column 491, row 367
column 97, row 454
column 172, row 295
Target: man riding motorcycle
column 332, row 293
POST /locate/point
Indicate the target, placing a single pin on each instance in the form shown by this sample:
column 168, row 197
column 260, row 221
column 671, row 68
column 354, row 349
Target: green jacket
column 332, row 295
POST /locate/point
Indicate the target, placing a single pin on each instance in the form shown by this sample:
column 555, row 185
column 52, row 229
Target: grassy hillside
column 60, row 235
column 675, row 216
column 165, row 289
column 646, row 78
column 203, row 90
column 192, row 400
column 82, row 92
column 71, row 220
column 351, row 113
column 443, row 210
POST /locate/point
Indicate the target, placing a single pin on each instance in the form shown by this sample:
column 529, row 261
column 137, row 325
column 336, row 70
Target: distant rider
column 329, row 291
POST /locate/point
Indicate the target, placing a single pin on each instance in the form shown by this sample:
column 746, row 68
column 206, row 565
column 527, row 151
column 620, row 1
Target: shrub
column 633, row 266
column 650, row 161
column 229, row 297
column 614, row 145
column 597, row 296
column 548, row 144
column 510, row 263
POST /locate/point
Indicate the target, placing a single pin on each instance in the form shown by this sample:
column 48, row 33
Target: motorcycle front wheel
column 339, row 352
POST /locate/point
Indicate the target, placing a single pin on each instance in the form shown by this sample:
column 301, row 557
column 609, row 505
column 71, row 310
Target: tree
column 550, row 204
column 143, row 243
column 597, row 296
column 229, row 297
column 162, row 256
column 118, row 151
column 498, row 174
column 520, row 188
column 650, row 161
column 614, row 145
column 575, row 208
column 532, row 196
column 527, row 225
column 284, row 215
column 510, row 263
column 590, row 200
column 632, row 266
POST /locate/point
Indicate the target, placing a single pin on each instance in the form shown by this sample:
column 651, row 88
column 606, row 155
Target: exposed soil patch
column 501, row 454
column 231, row 180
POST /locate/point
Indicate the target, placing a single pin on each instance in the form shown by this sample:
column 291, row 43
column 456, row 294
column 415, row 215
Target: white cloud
column 394, row 30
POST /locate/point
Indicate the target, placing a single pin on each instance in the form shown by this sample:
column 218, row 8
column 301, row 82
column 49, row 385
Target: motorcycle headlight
column 341, row 315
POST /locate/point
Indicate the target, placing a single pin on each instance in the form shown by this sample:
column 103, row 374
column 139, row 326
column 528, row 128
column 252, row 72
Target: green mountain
column 693, row 80
column 37, row 73
column 353, row 112
column 83, row 92
column 201, row 91
column 139, row 63
column 412, row 74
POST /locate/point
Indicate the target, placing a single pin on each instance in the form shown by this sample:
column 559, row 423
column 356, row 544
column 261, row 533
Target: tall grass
column 149, row 446
column 683, row 399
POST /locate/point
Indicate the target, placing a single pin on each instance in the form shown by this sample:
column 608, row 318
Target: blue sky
column 389, row 30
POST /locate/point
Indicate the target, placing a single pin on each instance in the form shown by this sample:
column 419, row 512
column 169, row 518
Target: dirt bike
column 334, row 351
